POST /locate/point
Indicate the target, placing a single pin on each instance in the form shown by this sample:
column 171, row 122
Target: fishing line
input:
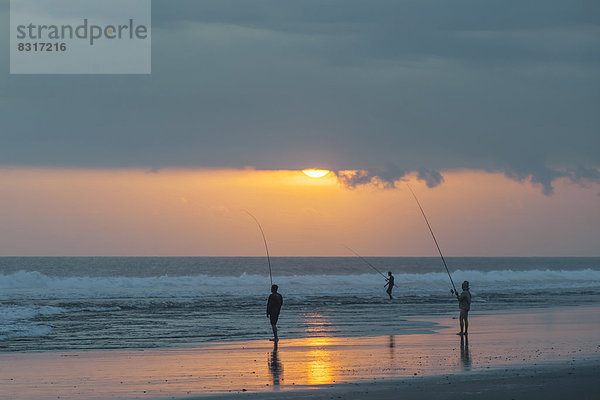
column 368, row 263
column 433, row 236
column 362, row 258
column 266, row 247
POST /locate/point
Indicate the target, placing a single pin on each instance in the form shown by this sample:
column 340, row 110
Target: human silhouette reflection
column 392, row 346
column 275, row 367
column 465, row 357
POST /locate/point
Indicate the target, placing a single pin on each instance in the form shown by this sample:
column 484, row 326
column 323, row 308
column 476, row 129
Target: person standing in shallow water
column 464, row 303
column 273, row 308
column 389, row 284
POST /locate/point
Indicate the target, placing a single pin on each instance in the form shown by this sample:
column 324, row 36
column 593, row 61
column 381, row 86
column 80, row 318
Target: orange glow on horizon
column 198, row 212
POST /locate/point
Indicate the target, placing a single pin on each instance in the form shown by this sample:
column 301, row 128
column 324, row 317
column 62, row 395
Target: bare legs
column 464, row 322
column 275, row 338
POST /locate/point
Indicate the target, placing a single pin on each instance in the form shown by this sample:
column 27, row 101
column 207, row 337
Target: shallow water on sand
column 532, row 338
column 72, row 303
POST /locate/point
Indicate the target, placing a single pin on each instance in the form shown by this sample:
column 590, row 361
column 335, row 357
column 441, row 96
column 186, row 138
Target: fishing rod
column 433, row 236
column 266, row 247
column 368, row 263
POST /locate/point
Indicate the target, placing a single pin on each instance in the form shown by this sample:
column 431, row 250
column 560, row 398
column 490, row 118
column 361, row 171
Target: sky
column 488, row 108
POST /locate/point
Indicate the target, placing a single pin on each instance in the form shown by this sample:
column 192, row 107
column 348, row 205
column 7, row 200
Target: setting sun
column 315, row 173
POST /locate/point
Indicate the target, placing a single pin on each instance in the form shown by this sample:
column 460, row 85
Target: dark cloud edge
column 387, row 179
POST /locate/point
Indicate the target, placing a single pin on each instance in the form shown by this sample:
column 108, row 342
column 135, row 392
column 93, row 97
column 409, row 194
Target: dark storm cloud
column 386, row 87
column 387, row 178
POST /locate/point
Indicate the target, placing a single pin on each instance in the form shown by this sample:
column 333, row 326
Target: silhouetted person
column 389, row 284
column 273, row 307
column 464, row 303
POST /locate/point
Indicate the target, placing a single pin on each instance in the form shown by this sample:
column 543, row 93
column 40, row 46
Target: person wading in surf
column 273, row 308
column 389, row 284
column 464, row 303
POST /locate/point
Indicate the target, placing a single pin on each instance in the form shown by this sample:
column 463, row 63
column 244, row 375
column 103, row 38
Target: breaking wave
column 37, row 284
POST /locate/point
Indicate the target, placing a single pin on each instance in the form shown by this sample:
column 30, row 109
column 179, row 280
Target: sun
column 315, row 173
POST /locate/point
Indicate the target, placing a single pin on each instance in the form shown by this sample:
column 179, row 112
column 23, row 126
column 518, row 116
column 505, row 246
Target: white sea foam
column 16, row 320
column 36, row 284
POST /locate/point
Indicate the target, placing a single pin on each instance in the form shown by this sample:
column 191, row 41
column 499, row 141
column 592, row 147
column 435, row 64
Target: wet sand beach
column 540, row 383
column 544, row 351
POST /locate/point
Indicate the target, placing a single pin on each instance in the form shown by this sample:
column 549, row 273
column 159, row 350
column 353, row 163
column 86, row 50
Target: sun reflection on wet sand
column 319, row 368
column 319, row 365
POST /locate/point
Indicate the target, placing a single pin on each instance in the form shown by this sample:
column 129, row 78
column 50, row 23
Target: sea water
column 85, row 303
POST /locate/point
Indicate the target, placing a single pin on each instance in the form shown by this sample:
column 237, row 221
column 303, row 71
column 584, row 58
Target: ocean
column 92, row 303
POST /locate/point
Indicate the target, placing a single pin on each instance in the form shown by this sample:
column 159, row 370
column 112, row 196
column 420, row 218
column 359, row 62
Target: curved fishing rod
column 368, row 263
column 264, row 240
column 433, row 236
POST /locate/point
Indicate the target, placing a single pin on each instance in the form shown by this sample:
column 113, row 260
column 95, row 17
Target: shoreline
column 550, row 340
column 434, row 324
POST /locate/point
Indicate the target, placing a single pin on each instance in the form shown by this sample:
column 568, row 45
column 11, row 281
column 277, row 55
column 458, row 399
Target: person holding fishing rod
column 464, row 299
column 389, row 284
column 275, row 300
column 464, row 304
column 273, row 308
column 390, row 279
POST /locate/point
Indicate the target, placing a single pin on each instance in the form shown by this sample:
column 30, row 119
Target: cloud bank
column 383, row 87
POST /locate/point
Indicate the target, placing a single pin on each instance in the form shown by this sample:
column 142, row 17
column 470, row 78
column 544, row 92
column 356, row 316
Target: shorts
column 274, row 319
